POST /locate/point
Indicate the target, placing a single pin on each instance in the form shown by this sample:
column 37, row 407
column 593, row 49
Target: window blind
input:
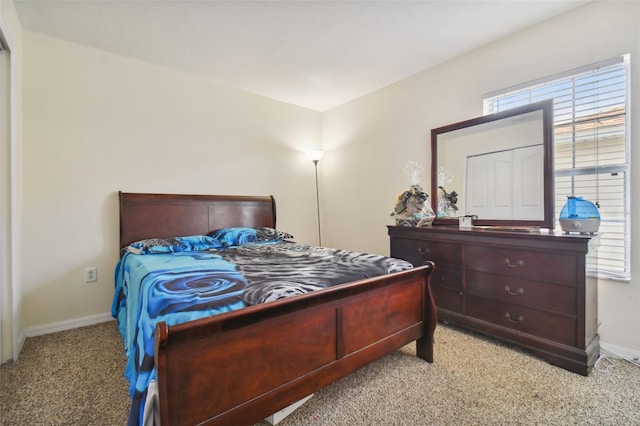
column 590, row 148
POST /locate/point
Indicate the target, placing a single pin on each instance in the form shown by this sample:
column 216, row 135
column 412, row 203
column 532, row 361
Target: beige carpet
column 76, row 378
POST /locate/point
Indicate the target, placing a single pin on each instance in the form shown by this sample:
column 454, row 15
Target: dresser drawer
column 558, row 328
column 518, row 291
column 446, row 276
column 417, row 252
column 550, row 267
column 447, row 298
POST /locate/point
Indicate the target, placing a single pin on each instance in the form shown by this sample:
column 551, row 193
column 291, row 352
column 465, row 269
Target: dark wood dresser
column 530, row 289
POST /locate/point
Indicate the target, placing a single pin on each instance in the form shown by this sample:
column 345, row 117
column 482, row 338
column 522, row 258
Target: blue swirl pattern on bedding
column 177, row 287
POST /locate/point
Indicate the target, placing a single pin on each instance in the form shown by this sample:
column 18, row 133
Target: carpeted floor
column 73, row 377
column 76, row 378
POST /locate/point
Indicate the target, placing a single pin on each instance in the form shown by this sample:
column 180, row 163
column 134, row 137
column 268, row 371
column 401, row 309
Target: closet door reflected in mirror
column 506, row 184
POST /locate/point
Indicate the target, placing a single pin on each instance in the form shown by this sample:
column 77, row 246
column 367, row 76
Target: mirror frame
column 547, row 122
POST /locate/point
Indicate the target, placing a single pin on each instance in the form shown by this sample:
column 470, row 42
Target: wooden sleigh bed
column 239, row 367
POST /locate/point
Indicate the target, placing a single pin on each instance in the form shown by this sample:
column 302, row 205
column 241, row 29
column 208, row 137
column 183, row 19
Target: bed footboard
column 239, row 367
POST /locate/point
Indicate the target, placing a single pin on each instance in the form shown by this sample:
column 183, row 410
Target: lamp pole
column 316, row 156
column 315, row 164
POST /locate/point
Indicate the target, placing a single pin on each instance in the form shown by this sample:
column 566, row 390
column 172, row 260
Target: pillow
column 172, row 245
column 270, row 234
column 240, row 235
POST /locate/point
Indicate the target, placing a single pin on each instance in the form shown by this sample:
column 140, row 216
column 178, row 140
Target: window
column 591, row 148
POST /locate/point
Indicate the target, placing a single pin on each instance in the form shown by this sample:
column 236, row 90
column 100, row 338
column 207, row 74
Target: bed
column 242, row 365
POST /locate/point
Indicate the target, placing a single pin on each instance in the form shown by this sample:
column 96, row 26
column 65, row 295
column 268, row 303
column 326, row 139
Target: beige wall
column 96, row 123
column 367, row 141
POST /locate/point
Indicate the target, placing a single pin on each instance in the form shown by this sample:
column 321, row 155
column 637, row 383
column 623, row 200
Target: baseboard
column 55, row 327
column 18, row 350
column 619, row 351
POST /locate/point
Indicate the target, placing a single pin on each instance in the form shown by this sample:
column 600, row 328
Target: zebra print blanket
column 276, row 271
column 178, row 287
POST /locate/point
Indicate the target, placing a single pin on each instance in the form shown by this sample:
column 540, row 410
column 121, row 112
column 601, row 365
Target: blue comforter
column 172, row 287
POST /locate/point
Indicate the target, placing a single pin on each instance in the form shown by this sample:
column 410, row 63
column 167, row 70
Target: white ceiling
column 315, row 54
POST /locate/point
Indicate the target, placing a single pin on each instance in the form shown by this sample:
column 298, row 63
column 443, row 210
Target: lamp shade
column 315, row 155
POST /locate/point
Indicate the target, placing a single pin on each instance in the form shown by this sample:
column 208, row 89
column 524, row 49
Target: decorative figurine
column 448, row 202
column 412, row 208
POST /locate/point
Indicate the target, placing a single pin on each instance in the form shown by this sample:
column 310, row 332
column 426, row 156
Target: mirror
column 498, row 168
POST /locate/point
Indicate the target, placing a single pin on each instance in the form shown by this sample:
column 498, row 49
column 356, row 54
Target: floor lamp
column 316, row 156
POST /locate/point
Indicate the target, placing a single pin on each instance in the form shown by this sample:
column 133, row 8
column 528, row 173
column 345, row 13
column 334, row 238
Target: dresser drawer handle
column 519, row 263
column 519, row 318
column 514, row 293
column 423, row 251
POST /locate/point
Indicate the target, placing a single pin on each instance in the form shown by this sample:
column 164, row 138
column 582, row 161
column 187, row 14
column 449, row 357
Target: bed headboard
column 170, row 215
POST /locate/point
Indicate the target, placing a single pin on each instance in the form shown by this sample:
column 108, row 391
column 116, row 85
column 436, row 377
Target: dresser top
column 539, row 237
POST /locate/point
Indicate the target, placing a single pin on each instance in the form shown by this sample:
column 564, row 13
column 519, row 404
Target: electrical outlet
column 91, row 274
